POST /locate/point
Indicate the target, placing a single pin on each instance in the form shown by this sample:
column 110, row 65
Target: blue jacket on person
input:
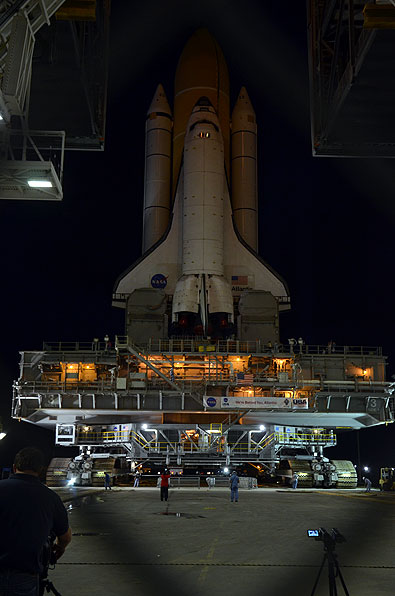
column 234, row 480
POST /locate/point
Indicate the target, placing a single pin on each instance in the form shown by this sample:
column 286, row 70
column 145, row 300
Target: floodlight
column 262, row 427
column 40, row 183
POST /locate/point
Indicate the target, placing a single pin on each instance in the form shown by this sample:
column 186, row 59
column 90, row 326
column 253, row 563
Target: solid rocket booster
column 203, row 285
column 157, row 169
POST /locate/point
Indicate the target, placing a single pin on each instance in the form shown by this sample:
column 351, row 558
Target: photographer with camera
column 29, row 513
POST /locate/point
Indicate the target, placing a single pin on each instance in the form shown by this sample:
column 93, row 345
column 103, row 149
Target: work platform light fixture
column 40, row 183
column 31, row 165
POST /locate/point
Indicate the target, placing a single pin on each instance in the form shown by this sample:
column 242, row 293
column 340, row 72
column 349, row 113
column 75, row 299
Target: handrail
column 314, row 438
column 188, row 385
column 206, row 346
column 221, row 346
column 77, row 346
column 186, row 447
column 268, row 441
column 247, row 347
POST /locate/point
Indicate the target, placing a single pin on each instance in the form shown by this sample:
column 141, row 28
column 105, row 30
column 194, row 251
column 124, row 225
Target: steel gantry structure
column 53, row 90
column 351, row 83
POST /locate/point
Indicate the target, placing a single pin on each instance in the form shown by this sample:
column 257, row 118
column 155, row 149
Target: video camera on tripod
column 48, row 561
column 330, row 539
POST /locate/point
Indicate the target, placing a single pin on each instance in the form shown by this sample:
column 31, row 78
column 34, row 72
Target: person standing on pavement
column 368, row 484
column 107, row 481
column 30, row 512
column 136, row 479
column 164, row 485
column 234, row 487
column 294, row 480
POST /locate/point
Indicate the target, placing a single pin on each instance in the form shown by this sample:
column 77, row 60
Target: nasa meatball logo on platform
column 212, row 402
column 159, row 281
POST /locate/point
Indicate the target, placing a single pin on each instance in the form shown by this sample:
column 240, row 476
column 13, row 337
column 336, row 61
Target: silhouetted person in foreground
column 29, row 513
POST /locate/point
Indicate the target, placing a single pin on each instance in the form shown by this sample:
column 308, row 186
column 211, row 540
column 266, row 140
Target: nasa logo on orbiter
column 159, row 281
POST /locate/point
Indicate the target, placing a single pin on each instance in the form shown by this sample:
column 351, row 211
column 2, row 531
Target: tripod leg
column 339, row 574
column 53, row 589
column 331, row 577
column 318, row 575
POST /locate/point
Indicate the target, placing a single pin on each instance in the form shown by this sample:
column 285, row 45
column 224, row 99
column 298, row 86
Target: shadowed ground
column 124, row 543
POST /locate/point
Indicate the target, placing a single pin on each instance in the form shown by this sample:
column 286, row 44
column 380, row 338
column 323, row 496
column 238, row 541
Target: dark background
column 325, row 224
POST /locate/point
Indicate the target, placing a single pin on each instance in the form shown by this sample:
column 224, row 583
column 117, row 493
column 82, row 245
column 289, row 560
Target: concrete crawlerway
column 123, row 544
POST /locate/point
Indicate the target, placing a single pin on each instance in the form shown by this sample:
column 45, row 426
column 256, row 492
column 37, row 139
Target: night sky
column 326, row 225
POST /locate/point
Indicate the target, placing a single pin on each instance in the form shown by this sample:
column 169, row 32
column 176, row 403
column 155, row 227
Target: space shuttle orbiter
column 199, row 273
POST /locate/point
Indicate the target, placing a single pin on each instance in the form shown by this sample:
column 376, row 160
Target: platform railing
column 230, row 346
column 152, row 445
column 82, row 387
column 204, row 346
column 260, row 386
column 328, row 439
column 77, row 346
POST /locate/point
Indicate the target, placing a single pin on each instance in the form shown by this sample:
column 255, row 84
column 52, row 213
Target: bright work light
column 39, row 183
